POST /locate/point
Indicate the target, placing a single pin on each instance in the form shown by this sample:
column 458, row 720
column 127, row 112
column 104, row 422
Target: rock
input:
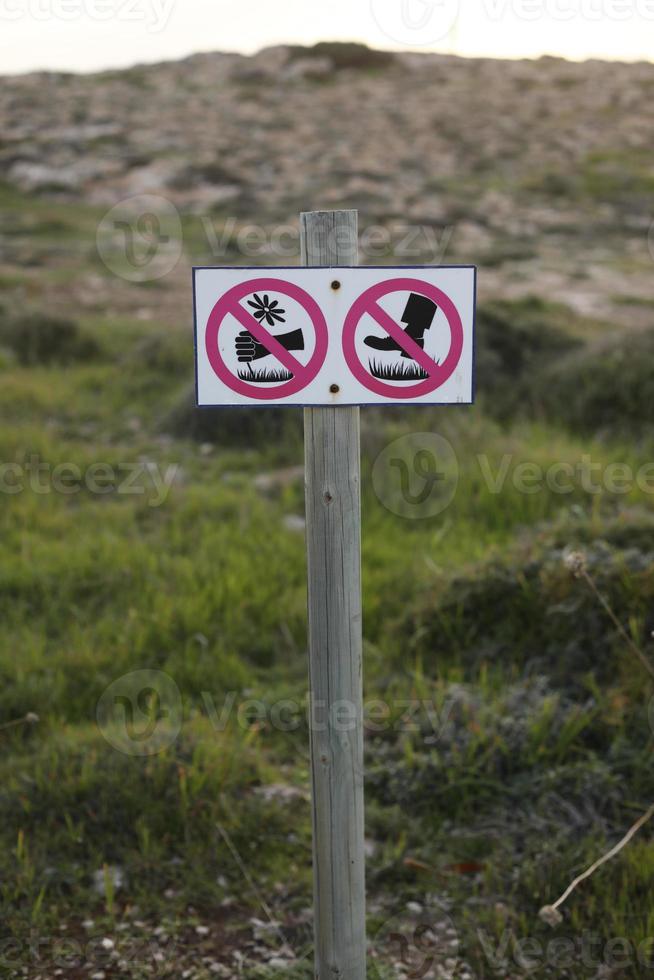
column 295, row 523
column 281, row 792
column 31, row 176
column 153, row 177
column 85, row 133
column 39, row 176
column 278, row 479
column 309, row 68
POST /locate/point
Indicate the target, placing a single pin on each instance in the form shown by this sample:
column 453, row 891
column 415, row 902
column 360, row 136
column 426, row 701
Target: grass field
column 514, row 742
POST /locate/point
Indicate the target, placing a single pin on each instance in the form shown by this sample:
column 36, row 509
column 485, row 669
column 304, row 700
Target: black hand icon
column 248, row 348
column 418, row 315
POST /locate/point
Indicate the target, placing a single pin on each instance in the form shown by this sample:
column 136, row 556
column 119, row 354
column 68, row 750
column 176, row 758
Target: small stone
column 295, row 523
column 116, row 875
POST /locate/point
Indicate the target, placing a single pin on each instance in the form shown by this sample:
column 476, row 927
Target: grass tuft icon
column 397, row 372
column 266, row 375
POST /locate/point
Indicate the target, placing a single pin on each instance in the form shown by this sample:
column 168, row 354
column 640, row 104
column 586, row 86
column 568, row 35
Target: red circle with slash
column 303, row 374
column 368, row 303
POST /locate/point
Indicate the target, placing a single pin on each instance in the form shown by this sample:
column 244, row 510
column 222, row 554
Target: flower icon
column 266, row 309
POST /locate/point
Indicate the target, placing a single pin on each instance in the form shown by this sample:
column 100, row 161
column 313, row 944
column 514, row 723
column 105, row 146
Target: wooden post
column 333, row 514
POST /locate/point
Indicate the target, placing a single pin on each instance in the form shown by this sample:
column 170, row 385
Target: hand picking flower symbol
column 248, row 348
column 266, row 309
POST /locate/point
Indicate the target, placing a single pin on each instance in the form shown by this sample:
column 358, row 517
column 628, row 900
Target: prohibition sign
column 368, row 303
column 303, row 374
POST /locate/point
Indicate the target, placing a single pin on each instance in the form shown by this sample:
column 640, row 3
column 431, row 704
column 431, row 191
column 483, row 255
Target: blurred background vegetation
column 541, row 758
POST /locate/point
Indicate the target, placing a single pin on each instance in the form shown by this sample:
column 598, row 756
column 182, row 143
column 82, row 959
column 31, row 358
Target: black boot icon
column 418, row 315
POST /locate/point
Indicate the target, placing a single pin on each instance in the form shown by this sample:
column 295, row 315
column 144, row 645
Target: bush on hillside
column 345, row 54
column 243, row 427
column 41, row 338
column 536, row 616
column 515, row 342
column 608, row 387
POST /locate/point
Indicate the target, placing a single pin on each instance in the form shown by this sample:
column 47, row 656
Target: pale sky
column 88, row 35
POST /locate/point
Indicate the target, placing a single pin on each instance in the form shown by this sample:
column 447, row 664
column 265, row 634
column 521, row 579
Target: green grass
column 619, row 177
column 524, row 753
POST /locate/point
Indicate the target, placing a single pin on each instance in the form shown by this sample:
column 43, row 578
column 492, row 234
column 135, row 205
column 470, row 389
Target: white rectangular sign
column 334, row 336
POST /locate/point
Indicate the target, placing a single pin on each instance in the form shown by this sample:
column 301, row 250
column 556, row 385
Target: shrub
column 610, row 386
column 243, row 427
column 345, row 54
column 163, row 351
column 40, row 338
column 515, row 342
column 534, row 615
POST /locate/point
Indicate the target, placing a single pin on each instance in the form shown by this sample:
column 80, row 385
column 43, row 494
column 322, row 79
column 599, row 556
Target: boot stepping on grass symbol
column 418, row 315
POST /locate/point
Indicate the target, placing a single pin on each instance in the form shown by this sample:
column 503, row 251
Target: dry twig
column 29, row 719
column 550, row 913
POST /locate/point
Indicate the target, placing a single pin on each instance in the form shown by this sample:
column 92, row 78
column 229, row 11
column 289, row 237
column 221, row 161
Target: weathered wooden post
column 333, row 521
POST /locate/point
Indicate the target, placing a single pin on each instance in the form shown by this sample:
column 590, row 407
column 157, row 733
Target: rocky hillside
column 539, row 171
